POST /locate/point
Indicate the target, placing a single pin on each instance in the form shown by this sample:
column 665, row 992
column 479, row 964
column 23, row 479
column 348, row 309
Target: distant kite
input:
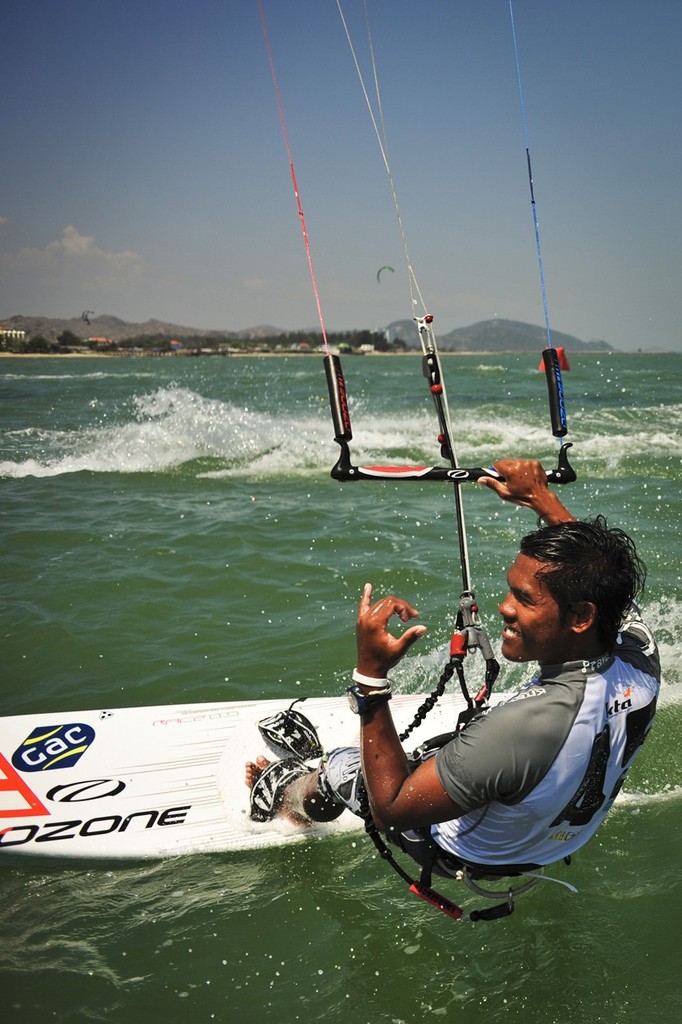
column 380, row 270
column 86, row 314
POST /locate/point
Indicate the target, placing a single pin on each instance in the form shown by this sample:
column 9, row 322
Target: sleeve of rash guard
column 505, row 753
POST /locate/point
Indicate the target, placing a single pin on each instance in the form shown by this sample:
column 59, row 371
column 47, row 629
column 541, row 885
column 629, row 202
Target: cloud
column 70, row 270
column 75, row 246
column 253, row 284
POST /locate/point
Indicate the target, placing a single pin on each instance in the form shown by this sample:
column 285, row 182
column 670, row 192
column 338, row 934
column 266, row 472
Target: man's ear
column 582, row 616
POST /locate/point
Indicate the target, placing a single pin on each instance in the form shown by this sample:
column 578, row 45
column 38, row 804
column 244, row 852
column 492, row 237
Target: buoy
column 561, row 358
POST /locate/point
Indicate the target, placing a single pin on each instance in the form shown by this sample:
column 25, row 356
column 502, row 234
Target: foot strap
column 268, row 790
column 292, row 733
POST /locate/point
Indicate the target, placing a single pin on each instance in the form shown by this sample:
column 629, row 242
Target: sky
column 145, row 173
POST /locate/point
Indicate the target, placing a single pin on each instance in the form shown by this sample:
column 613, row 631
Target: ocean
column 171, row 533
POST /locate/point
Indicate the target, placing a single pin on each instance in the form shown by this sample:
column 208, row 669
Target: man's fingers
column 385, row 607
column 366, row 598
column 411, row 635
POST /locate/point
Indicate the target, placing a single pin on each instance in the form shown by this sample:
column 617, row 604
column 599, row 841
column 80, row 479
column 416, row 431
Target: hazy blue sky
column 144, row 172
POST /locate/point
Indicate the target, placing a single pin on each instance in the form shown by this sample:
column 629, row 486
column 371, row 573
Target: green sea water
column 170, row 533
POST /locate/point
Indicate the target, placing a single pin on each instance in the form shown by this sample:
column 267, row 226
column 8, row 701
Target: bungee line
column 469, row 633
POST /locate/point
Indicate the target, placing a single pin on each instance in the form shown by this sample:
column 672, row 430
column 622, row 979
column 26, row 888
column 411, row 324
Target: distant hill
column 112, row 327
column 496, row 336
column 486, row 336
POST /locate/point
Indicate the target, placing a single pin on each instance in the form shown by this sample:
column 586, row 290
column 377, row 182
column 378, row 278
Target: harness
column 447, row 863
column 436, row 855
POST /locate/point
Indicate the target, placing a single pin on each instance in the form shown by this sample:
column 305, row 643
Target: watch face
column 361, row 702
column 353, row 700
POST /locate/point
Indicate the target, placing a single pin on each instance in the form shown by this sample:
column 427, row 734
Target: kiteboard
column 155, row 782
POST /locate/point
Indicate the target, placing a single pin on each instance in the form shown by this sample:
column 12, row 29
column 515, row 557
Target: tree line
column 287, row 341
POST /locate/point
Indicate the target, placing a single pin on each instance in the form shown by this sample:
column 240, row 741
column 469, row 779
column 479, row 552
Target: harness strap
column 423, row 887
column 470, row 874
column 438, row 855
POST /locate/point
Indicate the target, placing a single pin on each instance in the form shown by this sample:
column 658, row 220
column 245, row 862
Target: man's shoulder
column 636, row 645
column 558, row 686
column 541, row 705
column 505, row 751
column 533, row 690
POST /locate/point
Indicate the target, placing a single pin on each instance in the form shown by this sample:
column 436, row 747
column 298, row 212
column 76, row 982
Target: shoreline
column 241, row 355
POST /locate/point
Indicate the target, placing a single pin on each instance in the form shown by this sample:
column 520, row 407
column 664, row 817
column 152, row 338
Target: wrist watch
column 362, row 703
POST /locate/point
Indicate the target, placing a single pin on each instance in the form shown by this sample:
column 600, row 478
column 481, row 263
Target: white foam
column 172, row 426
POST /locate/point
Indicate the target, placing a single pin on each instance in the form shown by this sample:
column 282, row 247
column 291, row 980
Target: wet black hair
column 589, row 561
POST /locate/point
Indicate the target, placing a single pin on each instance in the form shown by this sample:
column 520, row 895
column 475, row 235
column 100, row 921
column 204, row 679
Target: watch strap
column 362, row 703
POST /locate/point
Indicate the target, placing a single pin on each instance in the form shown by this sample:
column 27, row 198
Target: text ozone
column 18, row 835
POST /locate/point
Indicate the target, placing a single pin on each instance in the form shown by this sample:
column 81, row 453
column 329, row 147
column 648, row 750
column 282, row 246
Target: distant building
column 11, row 332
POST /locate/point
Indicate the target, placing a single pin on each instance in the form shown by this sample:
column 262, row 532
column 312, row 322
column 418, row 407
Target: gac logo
column 53, row 746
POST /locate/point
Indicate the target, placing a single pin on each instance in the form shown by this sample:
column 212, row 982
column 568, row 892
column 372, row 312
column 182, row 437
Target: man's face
column 533, row 630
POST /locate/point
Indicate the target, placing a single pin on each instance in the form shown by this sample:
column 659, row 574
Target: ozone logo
column 79, row 792
column 53, row 746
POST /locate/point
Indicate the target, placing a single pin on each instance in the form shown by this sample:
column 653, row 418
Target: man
column 527, row 782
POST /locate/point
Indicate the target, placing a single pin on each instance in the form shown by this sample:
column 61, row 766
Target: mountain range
column 497, row 335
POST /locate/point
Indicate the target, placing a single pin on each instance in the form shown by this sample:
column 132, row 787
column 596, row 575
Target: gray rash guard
column 537, row 774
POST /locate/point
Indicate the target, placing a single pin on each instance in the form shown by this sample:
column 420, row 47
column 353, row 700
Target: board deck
column 161, row 781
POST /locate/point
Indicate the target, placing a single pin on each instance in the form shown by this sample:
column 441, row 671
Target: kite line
column 557, row 405
column 292, row 171
column 469, row 633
